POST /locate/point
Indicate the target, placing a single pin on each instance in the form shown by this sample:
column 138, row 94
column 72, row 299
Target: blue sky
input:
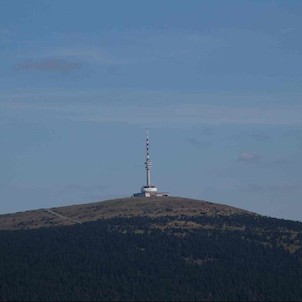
column 218, row 84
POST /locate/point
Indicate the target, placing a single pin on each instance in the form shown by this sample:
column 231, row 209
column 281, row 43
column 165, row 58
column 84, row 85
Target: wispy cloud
column 194, row 114
column 156, row 108
column 248, row 157
column 126, row 47
column 49, row 65
column 90, row 54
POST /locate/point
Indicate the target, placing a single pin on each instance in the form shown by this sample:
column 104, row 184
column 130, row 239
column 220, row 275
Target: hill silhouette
column 142, row 249
column 121, row 207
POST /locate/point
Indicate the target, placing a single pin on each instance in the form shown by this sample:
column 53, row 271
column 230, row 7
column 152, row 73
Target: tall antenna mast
column 148, row 160
column 148, row 190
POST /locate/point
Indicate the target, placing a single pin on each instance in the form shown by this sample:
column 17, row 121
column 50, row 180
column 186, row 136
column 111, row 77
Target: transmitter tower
column 148, row 190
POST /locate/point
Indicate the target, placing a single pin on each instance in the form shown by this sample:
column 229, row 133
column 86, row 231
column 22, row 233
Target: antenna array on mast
column 148, row 160
column 148, row 190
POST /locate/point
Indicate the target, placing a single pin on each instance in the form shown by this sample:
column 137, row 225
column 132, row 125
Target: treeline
column 129, row 259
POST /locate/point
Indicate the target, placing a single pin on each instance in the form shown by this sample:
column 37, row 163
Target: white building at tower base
column 149, row 191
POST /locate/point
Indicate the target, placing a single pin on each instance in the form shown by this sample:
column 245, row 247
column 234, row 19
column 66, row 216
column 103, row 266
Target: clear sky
column 218, row 84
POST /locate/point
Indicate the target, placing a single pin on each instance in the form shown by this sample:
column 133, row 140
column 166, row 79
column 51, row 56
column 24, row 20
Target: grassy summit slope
column 122, row 207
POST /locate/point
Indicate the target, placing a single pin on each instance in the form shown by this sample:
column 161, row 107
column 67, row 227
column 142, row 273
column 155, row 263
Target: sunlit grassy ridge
column 121, row 207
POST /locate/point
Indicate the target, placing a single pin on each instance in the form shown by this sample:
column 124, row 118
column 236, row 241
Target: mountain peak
column 121, row 207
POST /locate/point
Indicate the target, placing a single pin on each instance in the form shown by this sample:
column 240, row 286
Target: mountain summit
column 149, row 249
column 121, row 207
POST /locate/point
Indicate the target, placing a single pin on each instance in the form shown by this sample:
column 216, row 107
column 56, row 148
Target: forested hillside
column 236, row 257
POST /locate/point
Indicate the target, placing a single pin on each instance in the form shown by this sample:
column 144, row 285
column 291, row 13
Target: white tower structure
column 148, row 190
column 148, row 161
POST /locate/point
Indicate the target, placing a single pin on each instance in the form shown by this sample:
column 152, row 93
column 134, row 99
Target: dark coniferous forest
column 137, row 259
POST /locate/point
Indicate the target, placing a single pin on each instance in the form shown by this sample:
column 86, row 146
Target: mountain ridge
column 119, row 207
column 163, row 249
